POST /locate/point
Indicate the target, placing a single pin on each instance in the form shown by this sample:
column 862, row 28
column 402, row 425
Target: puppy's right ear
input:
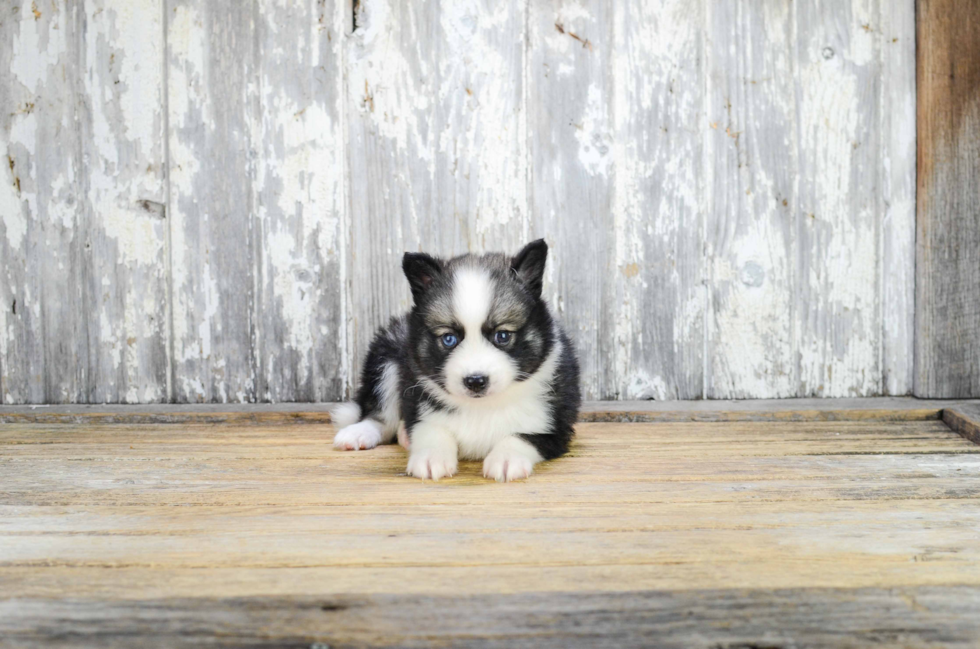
column 421, row 270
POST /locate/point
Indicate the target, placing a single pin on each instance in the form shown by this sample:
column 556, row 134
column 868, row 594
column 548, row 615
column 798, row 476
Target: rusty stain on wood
column 631, row 270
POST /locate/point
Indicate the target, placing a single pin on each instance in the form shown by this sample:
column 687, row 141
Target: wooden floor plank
column 906, row 617
column 111, row 581
column 215, row 481
column 404, row 519
column 186, row 531
column 948, row 546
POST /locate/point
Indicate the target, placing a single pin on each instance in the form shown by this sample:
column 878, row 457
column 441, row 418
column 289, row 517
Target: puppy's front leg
column 511, row 459
column 433, row 452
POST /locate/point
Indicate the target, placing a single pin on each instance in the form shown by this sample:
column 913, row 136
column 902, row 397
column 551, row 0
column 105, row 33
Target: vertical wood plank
column 390, row 86
column 59, row 185
column 898, row 194
column 37, row 140
column 653, row 304
column 124, row 216
column 82, row 204
column 480, row 120
column 837, row 219
column 436, row 143
column 299, row 200
column 571, row 128
column 257, row 189
column 947, row 290
column 751, row 198
column 211, row 102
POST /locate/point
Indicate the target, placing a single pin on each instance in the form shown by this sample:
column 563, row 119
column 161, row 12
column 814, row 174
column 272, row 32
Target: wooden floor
column 722, row 534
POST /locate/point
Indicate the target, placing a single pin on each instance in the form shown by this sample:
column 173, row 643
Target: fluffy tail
column 345, row 414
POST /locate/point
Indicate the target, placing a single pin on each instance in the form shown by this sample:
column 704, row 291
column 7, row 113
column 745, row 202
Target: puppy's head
column 479, row 325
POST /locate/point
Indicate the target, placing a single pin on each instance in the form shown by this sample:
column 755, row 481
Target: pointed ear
column 420, row 269
column 528, row 266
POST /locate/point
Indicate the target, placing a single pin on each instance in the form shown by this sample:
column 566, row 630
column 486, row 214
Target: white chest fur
column 478, row 429
column 479, row 424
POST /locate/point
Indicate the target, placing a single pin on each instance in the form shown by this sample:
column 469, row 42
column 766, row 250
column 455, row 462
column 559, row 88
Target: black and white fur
column 505, row 391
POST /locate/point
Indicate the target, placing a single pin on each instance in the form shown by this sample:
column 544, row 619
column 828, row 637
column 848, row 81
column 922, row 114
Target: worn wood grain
column 965, row 420
column 947, row 326
column 299, row 201
column 82, row 203
column 861, row 409
column 652, row 311
column 211, row 109
column 727, row 189
column 698, row 534
column 436, row 138
column 257, row 194
column 35, row 111
column 572, row 166
column 751, row 198
column 124, row 220
column 897, row 188
column 837, row 219
column 912, row 617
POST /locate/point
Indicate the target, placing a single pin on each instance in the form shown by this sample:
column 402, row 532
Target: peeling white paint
column 840, row 336
column 898, row 132
column 664, row 155
column 485, row 129
column 35, row 52
column 659, row 303
column 642, row 386
column 385, row 82
column 593, row 139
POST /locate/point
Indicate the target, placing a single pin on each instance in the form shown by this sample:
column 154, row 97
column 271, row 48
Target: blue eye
column 502, row 337
column 449, row 340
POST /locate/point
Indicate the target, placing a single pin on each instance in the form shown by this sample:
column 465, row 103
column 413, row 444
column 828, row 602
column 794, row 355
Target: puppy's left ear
column 528, row 266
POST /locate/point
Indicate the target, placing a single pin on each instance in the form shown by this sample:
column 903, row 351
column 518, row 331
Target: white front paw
column 362, row 435
column 431, row 464
column 506, row 466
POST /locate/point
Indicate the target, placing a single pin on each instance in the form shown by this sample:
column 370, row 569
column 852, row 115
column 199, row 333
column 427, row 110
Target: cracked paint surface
column 207, row 201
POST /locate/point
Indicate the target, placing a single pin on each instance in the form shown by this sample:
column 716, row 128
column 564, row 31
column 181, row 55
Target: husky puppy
column 478, row 369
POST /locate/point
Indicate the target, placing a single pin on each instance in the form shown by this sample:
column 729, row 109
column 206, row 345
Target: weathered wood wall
column 207, row 200
column 947, row 337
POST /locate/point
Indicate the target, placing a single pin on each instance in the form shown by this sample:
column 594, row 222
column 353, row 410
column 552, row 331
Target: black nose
column 476, row 383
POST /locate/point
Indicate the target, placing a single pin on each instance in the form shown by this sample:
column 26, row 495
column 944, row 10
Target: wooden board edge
column 734, row 416
column 964, row 420
column 176, row 417
column 802, row 410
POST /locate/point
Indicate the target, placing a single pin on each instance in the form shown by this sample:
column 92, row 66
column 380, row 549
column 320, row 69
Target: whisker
column 525, row 375
column 412, row 387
